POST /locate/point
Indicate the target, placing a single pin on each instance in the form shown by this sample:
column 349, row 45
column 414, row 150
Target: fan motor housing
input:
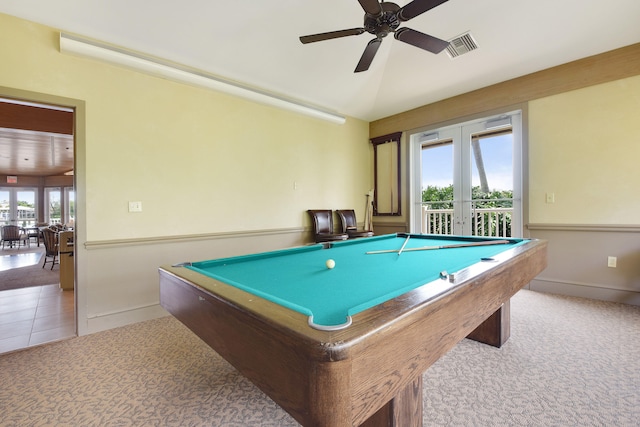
column 385, row 23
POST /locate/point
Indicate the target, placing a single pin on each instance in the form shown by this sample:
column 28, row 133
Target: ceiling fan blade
column 421, row 40
column 417, row 7
column 371, row 7
column 368, row 55
column 331, row 35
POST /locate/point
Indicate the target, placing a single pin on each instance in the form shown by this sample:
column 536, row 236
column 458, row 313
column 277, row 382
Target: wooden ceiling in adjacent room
column 35, row 140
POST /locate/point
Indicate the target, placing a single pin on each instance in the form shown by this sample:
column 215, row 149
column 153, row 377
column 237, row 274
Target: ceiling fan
column 383, row 18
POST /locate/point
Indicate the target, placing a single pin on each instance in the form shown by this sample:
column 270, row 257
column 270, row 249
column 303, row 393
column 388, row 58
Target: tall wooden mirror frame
column 386, row 171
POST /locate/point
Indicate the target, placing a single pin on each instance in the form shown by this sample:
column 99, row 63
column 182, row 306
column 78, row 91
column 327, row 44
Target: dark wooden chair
column 39, row 237
column 322, row 220
column 12, row 234
column 52, row 249
column 33, row 232
column 349, row 225
column 58, row 227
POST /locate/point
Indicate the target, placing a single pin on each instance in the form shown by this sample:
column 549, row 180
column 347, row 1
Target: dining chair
column 12, row 234
column 50, row 238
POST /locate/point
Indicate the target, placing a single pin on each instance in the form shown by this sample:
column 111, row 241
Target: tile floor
column 35, row 315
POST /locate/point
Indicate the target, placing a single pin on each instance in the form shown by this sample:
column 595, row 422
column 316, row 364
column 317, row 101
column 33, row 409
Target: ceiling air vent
column 461, row 45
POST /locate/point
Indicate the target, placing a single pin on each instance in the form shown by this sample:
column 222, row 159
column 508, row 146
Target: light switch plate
column 135, row 206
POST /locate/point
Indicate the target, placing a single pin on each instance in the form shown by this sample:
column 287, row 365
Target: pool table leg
column 496, row 329
column 404, row 410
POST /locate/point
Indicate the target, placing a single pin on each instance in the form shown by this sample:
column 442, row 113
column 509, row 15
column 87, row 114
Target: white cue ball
column 330, row 264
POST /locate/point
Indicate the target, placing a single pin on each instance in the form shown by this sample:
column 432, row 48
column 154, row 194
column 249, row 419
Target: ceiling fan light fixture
column 382, row 18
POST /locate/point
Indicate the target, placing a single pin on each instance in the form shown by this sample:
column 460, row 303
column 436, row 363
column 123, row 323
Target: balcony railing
column 487, row 222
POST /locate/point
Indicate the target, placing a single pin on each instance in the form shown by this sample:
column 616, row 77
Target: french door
column 467, row 179
column 18, row 206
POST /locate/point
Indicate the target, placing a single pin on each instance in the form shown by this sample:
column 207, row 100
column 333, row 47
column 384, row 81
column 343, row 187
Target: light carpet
column 569, row 362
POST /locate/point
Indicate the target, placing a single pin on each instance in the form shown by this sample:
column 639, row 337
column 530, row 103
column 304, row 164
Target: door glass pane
column 437, row 188
column 26, row 208
column 492, row 184
column 5, row 208
column 71, row 207
column 53, row 207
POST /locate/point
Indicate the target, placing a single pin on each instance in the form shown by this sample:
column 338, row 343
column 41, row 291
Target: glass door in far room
column 18, row 206
column 466, row 179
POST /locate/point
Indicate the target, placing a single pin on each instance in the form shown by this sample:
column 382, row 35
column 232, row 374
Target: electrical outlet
column 612, row 261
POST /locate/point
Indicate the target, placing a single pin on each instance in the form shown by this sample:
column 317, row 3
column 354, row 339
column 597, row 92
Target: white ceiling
column 255, row 42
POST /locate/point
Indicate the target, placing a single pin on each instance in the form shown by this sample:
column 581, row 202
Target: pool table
column 347, row 346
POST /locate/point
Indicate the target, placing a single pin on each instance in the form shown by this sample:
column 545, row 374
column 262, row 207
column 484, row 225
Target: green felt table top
column 299, row 279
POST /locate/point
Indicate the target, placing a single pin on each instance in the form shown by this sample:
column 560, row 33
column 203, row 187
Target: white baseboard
column 592, row 291
column 105, row 321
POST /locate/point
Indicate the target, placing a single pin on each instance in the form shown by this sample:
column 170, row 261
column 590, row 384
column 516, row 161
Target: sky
column 497, row 153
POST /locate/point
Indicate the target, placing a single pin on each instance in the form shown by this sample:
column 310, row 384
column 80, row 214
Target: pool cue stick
column 404, row 244
column 429, row 248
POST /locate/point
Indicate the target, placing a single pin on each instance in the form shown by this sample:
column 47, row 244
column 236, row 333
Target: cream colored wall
column 584, row 147
column 203, row 164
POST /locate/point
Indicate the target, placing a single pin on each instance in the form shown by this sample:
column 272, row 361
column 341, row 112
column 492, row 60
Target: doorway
column 37, row 189
column 466, row 179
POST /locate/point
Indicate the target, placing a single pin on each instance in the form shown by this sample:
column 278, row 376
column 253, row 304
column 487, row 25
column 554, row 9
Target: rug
column 28, row 269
